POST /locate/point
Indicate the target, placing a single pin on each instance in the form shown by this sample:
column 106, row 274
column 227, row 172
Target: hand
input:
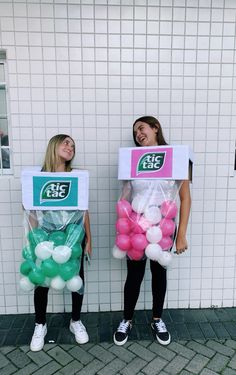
column 88, row 248
column 181, row 244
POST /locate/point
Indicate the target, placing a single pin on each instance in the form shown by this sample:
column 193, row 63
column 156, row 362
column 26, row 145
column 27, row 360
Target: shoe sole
column 119, row 343
column 36, row 350
column 79, row 342
column 167, row 342
column 163, row 342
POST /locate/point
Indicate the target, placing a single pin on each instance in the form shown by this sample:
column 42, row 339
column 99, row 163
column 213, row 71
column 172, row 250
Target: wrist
column 181, row 233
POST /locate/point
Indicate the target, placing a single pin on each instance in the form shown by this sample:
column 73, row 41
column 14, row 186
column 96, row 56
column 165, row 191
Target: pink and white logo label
column 152, row 163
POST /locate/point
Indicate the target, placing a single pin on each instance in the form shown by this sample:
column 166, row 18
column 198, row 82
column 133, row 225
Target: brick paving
column 212, row 351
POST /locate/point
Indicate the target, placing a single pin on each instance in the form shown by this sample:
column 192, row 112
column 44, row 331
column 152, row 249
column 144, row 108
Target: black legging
column 41, row 300
column 135, row 274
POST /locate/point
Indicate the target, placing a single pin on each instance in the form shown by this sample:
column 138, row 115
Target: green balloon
column 36, row 276
column 76, row 263
column 76, row 251
column 49, row 268
column 26, row 267
column 28, row 253
column 37, row 235
column 58, row 237
column 75, row 233
column 68, row 270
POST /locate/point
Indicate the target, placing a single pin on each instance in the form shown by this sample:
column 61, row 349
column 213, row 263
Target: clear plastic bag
column 146, row 220
column 53, row 250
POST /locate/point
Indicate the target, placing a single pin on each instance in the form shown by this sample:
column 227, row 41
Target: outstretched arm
column 185, row 204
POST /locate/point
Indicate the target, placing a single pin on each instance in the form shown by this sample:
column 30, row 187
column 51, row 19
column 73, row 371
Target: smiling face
column 144, row 134
column 66, row 150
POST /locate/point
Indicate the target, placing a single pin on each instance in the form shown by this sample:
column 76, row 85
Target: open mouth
column 142, row 139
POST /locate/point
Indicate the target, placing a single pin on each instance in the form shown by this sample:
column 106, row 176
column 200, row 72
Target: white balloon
column 165, row 259
column 57, row 283
column 44, row 250
column 117, row 253
column 144, row 223
column 154, row 234
column 26, row 285
column 139, row 203
column 157, row 198
column 61, row 254
column 153, row 251
column 74, row 284
column 153, row 214
column 140, row 186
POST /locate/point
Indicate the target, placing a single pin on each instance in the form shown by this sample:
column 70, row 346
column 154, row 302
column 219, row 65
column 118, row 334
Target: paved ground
column 204, row 342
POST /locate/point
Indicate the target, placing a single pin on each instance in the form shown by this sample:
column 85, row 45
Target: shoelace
column 160, row 326
column 123, row 327
column 38, row 330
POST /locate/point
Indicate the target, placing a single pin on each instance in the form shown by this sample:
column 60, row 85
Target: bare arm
column 185, row 204
column 88, row 244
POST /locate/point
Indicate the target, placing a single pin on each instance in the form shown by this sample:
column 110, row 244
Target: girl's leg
column 40, row 329
column 76, row 326
column 135, row 274
column 159, row 283
column 40, row 304
column 158, row 295
column 158, row 288
column 77, row 299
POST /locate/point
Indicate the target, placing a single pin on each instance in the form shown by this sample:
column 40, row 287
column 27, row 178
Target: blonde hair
column 51, row 158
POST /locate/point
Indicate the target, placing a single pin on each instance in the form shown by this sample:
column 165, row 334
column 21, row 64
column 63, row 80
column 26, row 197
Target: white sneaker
column 37, row 341
column 79, row 330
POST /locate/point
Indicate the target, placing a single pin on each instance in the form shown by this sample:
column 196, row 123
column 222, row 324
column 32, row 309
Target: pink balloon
column 139, row 241
column 134, row 221
column 167, row 226
column 169, row 209
column 135, row 254
column 123, row 208
column 123, row 242
column 123, row 225
column 166, row 243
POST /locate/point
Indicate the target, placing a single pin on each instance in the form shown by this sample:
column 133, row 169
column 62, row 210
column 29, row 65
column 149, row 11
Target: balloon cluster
column 145, row 229
column 52, row 259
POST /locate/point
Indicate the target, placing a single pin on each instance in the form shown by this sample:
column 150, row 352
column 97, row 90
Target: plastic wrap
column 146, row 220
column 53, row 250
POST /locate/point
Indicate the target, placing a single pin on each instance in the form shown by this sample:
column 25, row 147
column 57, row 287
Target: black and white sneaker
column 122, row 333
column 162, row 335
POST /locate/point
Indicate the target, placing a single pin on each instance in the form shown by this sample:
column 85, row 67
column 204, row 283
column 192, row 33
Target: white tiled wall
column 90, row 68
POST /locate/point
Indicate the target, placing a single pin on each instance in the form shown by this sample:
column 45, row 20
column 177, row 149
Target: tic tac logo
column 55, row 191
column 151, row 162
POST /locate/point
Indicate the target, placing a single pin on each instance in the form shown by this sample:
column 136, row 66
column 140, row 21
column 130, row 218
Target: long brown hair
column 51, row 158
column 154, row 124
